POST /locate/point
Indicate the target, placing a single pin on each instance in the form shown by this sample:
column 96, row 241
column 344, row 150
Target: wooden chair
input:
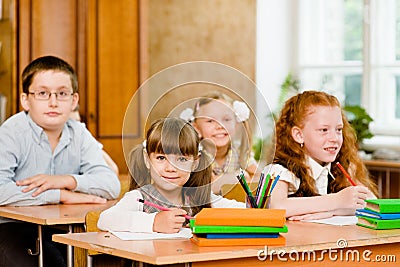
column 124, row 179
column 106, row 260
column 91, row 226
column 236, row 192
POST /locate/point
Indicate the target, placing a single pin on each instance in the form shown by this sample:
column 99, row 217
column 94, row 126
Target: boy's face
column 50, row 114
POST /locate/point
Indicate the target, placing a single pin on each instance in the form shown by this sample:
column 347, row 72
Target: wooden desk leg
column 79, row 253
column 387, row 184
column 398, row 187
column 39, row 247
column 70, row 251
column 40, row 237
column 380, row 184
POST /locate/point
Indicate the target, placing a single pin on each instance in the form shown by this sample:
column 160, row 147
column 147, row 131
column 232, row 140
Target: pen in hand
column 160, row 207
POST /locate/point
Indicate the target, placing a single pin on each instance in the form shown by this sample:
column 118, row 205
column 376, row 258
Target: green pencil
column 266, row 185
column 246, row 188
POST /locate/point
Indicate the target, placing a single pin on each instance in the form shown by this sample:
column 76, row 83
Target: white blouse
column 318, row 172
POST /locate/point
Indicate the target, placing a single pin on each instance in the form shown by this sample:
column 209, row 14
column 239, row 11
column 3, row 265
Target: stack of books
column 380, row 214
column 239, row 227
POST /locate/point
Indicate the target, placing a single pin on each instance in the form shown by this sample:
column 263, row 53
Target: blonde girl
column 220, row 121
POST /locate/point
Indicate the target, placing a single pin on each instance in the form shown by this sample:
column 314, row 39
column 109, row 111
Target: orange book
column 241, row 217
column 221, row 242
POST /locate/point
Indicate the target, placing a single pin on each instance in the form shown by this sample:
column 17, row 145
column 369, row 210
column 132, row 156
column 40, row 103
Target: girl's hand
column 343, row 212
column 170, row 221
column 352, row 197
column 312, row 216
column 370, row 195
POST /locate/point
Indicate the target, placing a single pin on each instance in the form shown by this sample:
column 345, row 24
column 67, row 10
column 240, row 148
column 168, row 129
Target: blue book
column 372, row 214
column 241, row 235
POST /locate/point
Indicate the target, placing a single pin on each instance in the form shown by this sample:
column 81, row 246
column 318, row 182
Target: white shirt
column 318, row 172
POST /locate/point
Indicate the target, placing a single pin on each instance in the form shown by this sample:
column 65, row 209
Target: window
column 351, row 48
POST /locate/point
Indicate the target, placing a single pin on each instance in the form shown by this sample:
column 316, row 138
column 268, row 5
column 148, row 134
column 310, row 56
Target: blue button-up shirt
column 25, row 151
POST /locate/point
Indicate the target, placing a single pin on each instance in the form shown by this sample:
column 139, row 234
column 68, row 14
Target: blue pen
column 273, row 185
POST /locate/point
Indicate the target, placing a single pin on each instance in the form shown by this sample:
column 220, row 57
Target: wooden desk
column 60, row 214
column 301, row 237
column 385, row 172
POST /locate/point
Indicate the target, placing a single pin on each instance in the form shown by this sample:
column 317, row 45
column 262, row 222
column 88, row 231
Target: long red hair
column 290, row 154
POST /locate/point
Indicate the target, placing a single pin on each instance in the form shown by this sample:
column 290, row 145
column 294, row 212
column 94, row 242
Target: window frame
column 375, row 71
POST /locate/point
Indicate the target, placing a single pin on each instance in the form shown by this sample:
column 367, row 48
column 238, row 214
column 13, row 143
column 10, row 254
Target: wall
column 221, row 31
column 274, row 39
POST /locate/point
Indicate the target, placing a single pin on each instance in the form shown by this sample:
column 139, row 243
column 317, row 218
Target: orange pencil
column 346, row 174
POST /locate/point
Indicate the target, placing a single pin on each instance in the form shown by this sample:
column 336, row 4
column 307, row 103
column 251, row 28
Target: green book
column 208, row 229
column 384, row 205
column 378, row 224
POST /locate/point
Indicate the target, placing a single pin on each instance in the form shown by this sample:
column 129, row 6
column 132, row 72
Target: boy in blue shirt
column 46, row 158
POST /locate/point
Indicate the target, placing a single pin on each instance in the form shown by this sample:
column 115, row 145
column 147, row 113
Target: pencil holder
column 247, row 200
column 266, row 203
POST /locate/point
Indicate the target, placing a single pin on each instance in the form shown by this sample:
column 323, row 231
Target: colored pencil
column 346, row 174
column 273, row 185
column 260, row 187
column 160, row 207
column 267, row 181
column 243, row 183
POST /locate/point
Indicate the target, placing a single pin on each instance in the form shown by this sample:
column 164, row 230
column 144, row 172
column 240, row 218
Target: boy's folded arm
column 68, row 197
column 100, row 183
column 11, row 194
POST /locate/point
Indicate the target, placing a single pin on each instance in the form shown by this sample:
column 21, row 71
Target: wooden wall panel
column 48, row 27
column 113, row 73
column 53, row 26
column 117, row 58
column 8, row 57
